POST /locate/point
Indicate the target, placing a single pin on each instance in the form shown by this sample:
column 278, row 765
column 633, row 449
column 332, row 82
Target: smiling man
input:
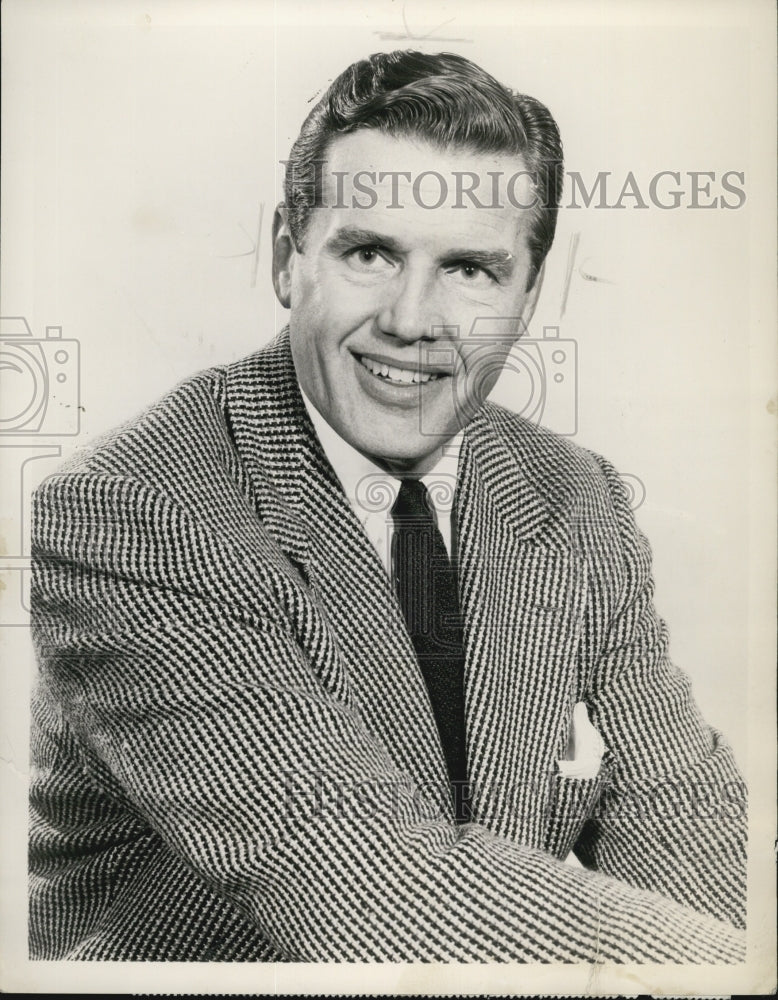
column 375, row 294
column 338, row 660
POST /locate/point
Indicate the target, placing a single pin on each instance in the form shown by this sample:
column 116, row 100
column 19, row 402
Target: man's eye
column 367, row 259
column 468, row 273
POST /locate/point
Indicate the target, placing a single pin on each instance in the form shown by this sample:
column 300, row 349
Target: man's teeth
column 393, row 374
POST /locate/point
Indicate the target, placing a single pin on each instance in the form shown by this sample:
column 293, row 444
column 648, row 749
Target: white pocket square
column 585, row 747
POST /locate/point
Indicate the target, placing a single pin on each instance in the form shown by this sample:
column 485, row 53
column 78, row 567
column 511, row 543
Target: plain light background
column 141, row 168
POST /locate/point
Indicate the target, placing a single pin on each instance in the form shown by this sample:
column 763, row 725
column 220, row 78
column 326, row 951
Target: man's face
column 383, row 299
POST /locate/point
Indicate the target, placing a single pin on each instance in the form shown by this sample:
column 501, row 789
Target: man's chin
column 405, row 458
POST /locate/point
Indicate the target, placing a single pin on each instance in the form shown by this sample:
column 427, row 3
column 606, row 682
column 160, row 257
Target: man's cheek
column 350, row 306
column 482, row 363
column 304, row 290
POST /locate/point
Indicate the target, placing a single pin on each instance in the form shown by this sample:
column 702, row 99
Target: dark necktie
column 427, row 590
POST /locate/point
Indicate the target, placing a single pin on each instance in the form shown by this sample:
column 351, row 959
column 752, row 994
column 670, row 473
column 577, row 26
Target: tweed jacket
column 234, row 754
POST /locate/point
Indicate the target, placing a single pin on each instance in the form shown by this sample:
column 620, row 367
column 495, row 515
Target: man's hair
column 446, row 100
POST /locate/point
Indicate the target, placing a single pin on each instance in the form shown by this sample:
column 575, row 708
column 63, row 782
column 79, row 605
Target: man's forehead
column 374, row 150
column 371, row 180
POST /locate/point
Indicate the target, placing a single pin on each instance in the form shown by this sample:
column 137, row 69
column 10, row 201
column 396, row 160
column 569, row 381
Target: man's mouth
column 391, row 373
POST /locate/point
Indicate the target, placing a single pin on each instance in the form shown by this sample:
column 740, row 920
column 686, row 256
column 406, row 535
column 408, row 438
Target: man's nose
column 411, row 310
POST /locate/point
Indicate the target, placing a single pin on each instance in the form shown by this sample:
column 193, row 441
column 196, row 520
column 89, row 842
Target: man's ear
column 283, row 256
column 532, row 298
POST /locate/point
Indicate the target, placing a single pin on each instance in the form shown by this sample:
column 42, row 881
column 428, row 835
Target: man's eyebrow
column 349, row 237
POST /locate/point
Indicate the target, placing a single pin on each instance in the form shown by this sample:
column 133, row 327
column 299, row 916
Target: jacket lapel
column 301, row 502
column 523, row 590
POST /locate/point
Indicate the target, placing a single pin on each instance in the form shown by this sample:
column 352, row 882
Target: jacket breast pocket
column 571, row 801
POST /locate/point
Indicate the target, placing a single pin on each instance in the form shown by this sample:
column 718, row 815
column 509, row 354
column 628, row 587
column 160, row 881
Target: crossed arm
column 673, row 816
column 192, row 706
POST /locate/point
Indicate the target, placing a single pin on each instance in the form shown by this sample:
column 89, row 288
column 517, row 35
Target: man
column 282, row 719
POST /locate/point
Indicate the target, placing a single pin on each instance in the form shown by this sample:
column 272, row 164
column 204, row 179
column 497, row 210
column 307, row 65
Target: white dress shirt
column 371, row 490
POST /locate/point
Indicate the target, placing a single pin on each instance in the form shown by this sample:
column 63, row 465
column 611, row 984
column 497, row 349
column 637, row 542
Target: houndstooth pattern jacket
column 234, row 756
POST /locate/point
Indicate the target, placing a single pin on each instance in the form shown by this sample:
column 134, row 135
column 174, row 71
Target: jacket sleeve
column 673, row 815
column 193, row 711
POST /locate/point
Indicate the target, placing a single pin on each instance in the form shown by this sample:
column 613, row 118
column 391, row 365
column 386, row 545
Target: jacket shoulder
column 189, row 418
column 176, row 459
column 557, row 467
